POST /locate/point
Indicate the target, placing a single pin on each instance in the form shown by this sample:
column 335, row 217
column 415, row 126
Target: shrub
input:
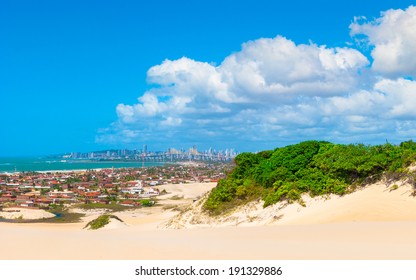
column 394, row 187
column 100, row 222
column 147, row 202
column 271, row 199
column 313, row 167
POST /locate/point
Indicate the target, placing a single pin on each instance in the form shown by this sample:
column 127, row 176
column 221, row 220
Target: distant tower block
column 145, row 149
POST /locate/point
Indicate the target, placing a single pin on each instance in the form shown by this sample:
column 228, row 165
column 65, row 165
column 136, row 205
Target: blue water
column 19, row 164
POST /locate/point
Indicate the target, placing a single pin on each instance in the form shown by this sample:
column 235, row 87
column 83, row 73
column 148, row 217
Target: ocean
column 20, row 164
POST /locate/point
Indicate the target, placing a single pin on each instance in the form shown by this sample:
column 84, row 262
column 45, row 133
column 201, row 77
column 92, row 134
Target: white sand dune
column 373, row 223
column 25, row 213
column 114, row 224
column 373, row 203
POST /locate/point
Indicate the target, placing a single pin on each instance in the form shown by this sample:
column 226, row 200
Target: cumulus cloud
column 275, row 91
column 264, row 70
column 393, row 37
column 400, row 95
column 278, row 69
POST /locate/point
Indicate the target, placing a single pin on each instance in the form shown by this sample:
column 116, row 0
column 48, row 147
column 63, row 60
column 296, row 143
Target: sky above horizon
column 250, row 75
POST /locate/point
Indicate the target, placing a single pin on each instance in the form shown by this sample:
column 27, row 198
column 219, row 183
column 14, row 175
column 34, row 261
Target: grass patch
column 109, row 207
column 147, row 202
column 64, row 217
column 101, row 221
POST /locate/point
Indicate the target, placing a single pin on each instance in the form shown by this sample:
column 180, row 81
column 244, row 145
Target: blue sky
column 250, row 75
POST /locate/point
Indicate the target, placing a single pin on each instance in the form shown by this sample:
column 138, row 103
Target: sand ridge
column 376, row 202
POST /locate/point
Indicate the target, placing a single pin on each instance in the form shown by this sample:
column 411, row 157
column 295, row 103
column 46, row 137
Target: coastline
column 44, row 165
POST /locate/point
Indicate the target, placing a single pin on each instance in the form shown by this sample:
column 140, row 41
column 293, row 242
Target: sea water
column 20, row 164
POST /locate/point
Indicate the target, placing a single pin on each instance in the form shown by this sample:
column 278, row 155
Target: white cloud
column 278, row 69
column 380, row 111
column 274, row 91
column 401, row 95
column 393, row 36
column 358, row 103
column 187, row 77
column 266, row 70
column 170, row 121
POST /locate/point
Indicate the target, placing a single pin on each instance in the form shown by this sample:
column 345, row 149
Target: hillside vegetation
column 313, row 167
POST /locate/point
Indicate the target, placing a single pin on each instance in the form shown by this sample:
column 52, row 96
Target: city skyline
column 253, row 75
column 171, row 154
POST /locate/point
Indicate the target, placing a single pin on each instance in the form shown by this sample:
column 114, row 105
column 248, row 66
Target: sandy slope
column 28, row 214
column 375, row 203
column 372, row 223
column 371, row 204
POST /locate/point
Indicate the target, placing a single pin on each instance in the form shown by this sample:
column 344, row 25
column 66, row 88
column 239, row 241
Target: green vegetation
column 146, row 202
column 313, row 167
column 394, row 187
column 113, row 207
column 101, row 221
column 63, row 217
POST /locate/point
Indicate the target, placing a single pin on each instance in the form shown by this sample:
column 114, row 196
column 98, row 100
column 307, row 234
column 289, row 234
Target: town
column 129, row 187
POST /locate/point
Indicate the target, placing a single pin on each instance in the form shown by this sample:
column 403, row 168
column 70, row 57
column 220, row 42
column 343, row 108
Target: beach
column 375, row 222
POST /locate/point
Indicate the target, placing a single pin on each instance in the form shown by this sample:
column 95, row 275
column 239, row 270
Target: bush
column 146, row 202
column 313, row 167
column 293, row 195
column 100, row 222
column 271, row 199
column 394, row 187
